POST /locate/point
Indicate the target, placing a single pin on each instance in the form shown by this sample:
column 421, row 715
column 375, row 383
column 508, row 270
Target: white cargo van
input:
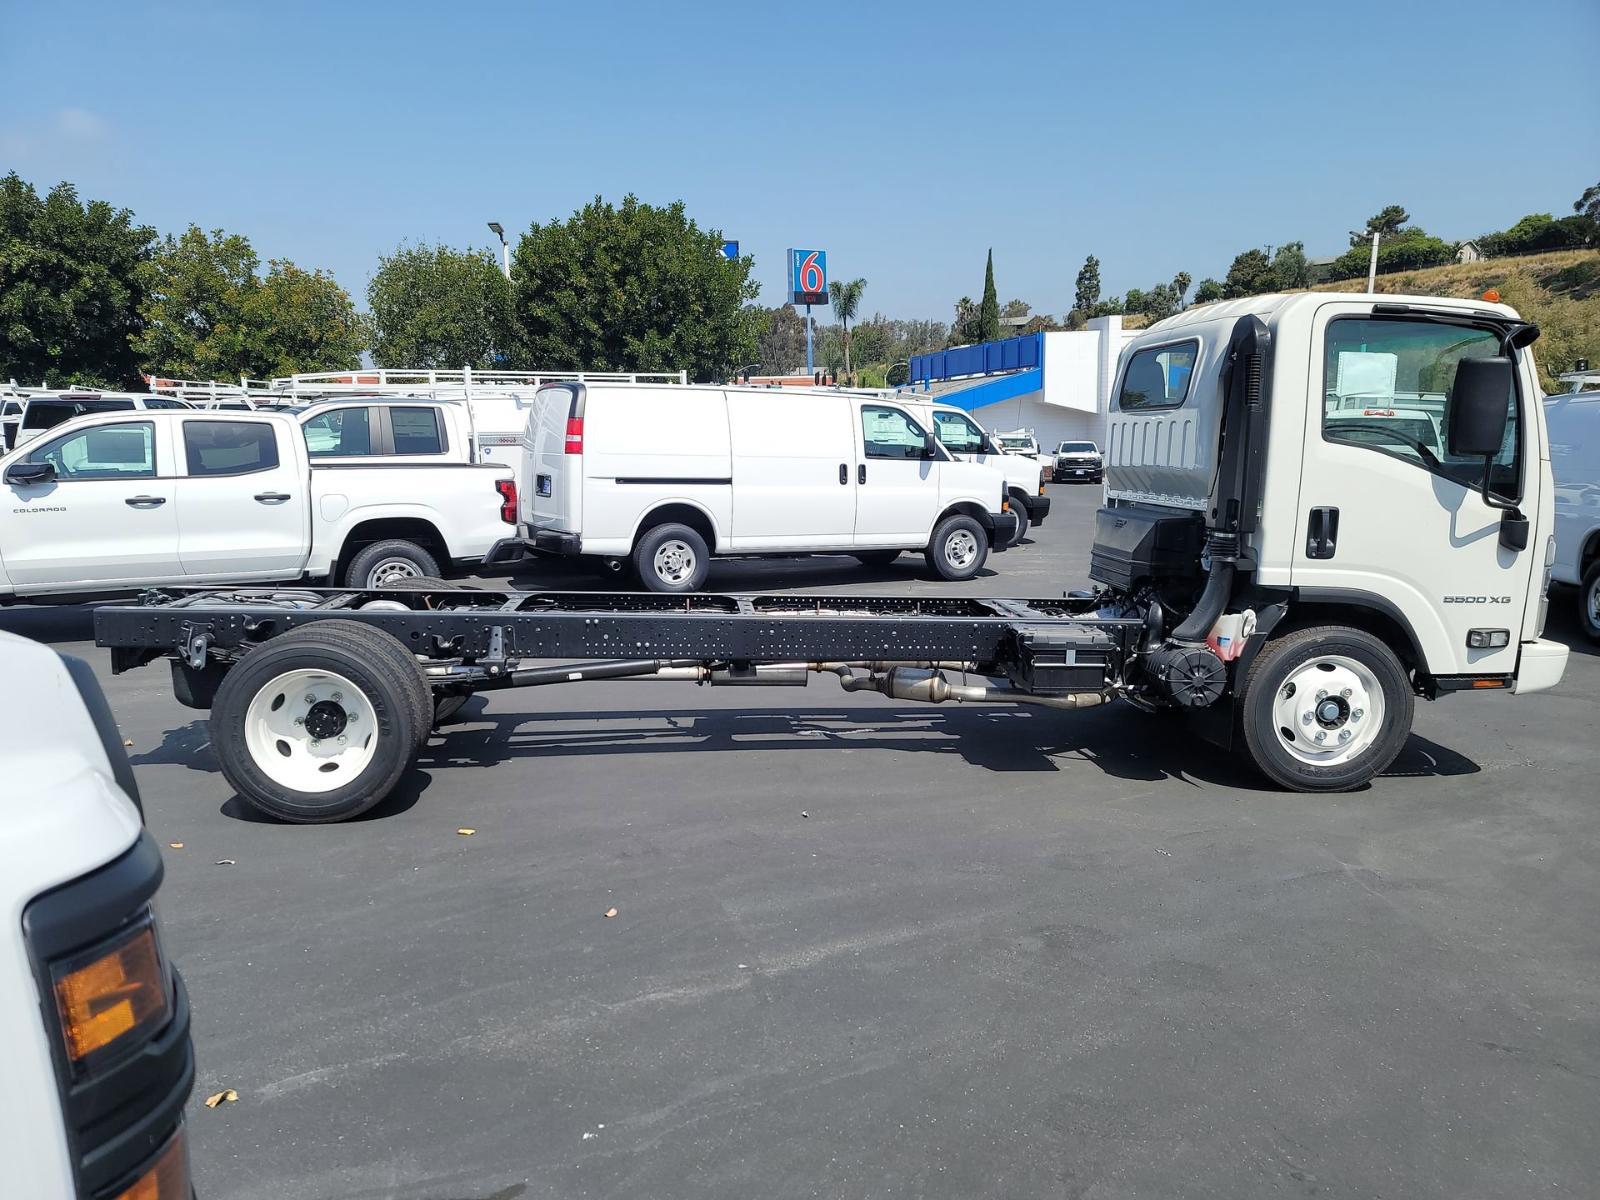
column 1574, row 422
column 967, row 440
column 665, row 477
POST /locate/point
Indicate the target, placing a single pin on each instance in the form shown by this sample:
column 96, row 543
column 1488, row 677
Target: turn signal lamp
column 166, row 1178
column 1492, row 295
column 109, row 995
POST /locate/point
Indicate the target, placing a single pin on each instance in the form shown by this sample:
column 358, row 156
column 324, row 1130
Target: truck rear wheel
column 1326, row 709
column 392, row 561
column 958, row 548
column 319, row 724
column 672, row 558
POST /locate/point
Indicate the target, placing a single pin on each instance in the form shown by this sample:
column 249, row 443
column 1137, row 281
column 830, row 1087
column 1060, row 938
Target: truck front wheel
column 317, row 725
column 1325, row 709
column 958, row 548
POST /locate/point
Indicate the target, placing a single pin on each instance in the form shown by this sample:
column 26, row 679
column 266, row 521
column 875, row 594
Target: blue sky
column 904, row 138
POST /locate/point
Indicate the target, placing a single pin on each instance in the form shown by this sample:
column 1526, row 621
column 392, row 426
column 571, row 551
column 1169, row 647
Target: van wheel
column 1020, row 510
column 389, row 562
column 1589, row 602
column 958, row 549
column 672, row 558
column 1325, row 709
column 875, row 558
column 317, row 725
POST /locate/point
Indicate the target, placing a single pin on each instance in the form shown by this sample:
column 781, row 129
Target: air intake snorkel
column 1236, row 509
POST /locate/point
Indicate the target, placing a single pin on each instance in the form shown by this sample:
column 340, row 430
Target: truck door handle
column 145, row 501
column 844, row 474
column 1322, row 533
column 861, row 473
column 272, row 497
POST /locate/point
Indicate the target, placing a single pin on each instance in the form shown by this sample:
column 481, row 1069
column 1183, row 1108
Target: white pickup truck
column 120, row 501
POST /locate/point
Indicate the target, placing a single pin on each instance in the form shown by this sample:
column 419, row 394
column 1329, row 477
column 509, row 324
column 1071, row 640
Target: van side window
column 957, row 433
column 1386, row 388
column 343, row 431
column 1158, row 377
column 889, row 433
column 416, row 430
column 229, row 447
column 103, row 452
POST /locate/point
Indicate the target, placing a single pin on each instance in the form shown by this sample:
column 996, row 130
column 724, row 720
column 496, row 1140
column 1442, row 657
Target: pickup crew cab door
column 243, row 503
column 1385, row 512
column 794, row 472
column 897, row 493
column 105, row 517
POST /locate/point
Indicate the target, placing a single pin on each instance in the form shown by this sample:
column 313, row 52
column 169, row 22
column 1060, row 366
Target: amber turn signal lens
column 167, row 1178
column 106, row 998
column 1492, row 295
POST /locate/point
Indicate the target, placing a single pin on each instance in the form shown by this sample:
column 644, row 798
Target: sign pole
column 810, row 369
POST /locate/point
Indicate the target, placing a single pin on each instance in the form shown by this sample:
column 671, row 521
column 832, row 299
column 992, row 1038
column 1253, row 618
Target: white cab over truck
column 1574, row 421
column 95, row 1055
column 1286, row 572
column 119, row 501
column 666, row 477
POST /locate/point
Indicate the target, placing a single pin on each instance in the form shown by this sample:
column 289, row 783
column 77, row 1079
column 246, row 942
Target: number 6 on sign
column 808, row 276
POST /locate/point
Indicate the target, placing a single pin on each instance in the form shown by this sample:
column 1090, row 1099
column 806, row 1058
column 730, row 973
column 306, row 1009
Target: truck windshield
column 1077, row 448
column 1014, row 443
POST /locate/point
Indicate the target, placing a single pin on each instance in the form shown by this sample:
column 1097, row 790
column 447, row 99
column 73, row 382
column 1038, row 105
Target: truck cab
column 96, row 1057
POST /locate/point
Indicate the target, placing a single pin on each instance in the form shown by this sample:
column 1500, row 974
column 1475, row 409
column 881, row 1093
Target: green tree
column 1387, row 221
column 207, row 315
column 1180, row 284
column 1250, row 274
column 845, row 296
column 967, row 327
column 989, row 310
column 632, row 287
column 1135, row 301
column 1588, row 204
column 1015, row 309
column 1541, row 231
column 1208, row 291
column 781, row 340
column 1088, row 291
column 872, row 341
column 1408, row 250
column 898, row 374
column 435, row 306
column 71, row 284
column 1291, row 271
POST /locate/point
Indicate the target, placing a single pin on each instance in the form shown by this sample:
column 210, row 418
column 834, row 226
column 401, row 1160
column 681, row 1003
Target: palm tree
column 845, row 296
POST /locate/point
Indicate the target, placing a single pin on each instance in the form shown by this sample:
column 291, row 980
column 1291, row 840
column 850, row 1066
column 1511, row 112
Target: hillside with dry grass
column 1559, row 291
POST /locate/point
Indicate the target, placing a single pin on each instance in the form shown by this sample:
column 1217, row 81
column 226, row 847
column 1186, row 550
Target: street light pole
column 1372, row 265
column 505, row 247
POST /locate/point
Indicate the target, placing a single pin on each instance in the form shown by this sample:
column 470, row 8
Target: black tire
column 1020, row 511
column 1589, row 602
column 1305, row 652
column 691, row 554
column 942, row 556
column 388, row 681
column 376, row 642
column 371, row 561
column 875, row 558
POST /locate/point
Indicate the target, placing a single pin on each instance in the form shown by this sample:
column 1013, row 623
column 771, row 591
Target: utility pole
column 1372, row 265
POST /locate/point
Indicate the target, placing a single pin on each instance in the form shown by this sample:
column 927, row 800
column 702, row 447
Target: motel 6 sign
column 808, row 277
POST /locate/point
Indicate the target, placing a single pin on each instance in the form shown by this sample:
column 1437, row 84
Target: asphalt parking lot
column 869, row 949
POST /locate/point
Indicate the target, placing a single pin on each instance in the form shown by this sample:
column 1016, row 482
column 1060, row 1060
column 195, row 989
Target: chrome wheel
column 674, row 561
column 387, row 572
column 310, row 731
column 960, row 549
column 1329, row 710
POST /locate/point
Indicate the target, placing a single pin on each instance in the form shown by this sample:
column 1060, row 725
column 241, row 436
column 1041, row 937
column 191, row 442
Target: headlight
column 110, row 993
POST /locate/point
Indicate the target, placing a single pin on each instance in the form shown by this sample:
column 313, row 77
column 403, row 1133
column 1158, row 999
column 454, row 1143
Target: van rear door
column 551, row 487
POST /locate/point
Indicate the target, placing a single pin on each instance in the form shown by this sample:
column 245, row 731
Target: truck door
column 243, row 507
column 794, row 472
column 104, row 517
column 897, row 492
column 1386, row 513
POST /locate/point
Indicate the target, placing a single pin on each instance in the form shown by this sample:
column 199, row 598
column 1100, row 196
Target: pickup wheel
column 1021, row 511
column 319, row 724
column 958, row 549
column 389, row 562
column 875, row 558
column 1325, row 709
column 672, row 558
column 1589, row 602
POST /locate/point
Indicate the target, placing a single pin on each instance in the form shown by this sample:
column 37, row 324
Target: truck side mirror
column 930, row 446
column 25, row 473
column 1475, row 425
column 985, row 446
